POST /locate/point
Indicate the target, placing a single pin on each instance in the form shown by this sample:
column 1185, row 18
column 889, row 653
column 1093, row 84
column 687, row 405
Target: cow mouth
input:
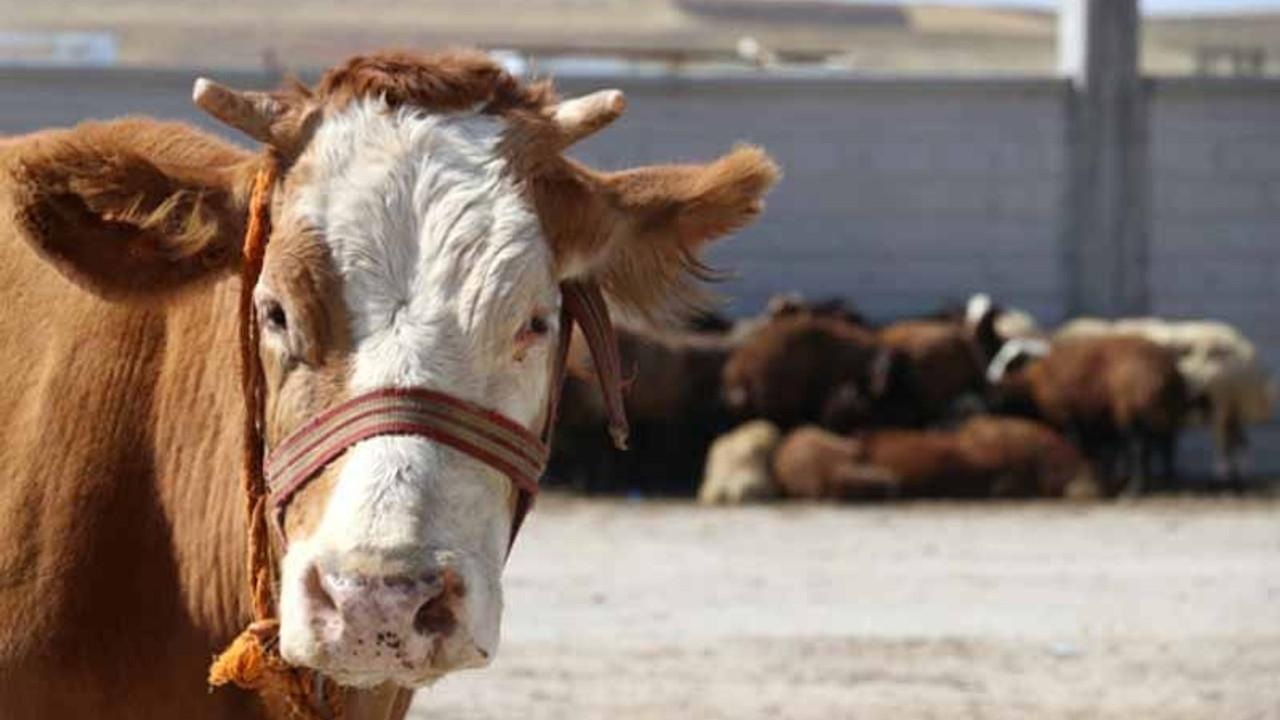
column 407, row 674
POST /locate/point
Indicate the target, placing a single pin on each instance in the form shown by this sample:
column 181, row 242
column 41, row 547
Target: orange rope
column 253, row 661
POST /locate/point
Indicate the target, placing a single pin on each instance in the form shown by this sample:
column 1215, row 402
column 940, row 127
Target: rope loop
column 252, row 661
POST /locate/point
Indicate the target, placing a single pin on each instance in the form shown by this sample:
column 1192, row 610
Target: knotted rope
column 253, row 660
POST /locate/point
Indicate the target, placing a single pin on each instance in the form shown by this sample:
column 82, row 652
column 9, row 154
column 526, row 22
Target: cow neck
column 253, row 661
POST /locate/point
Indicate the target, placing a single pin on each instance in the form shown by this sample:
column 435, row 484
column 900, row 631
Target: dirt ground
column 620, row 610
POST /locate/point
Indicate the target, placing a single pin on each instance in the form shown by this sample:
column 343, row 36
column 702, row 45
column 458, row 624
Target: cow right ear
column 130, row 208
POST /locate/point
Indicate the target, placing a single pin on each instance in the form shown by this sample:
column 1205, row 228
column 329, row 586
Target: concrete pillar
column 1105, row 227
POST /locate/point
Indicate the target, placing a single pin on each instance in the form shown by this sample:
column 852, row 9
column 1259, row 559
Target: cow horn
column 253, row 113
column 584, row 116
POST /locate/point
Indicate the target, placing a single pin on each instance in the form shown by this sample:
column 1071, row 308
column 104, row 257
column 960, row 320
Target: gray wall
column 901, row 194
column 1215, row 216
column 1215, row 226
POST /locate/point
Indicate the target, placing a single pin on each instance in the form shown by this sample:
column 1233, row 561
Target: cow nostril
column 436, row 616
column 316, row 591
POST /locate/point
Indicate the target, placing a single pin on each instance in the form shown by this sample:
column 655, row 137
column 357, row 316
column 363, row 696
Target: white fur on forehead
column 426, row 224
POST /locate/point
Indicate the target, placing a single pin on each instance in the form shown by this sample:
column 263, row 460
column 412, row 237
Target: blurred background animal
column 672, row 402
column 985, row 457
column 1229, row 386
column 1121, row 397
column 738, row 465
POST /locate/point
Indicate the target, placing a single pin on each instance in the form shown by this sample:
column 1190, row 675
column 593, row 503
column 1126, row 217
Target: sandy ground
column 620, row 610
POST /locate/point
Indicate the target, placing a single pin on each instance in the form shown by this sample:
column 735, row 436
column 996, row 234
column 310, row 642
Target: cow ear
column 638, row 231
column 131, row 207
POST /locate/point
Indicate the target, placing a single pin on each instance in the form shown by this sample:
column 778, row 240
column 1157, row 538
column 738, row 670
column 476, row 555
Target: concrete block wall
column 900, row 194
column 1215, row 226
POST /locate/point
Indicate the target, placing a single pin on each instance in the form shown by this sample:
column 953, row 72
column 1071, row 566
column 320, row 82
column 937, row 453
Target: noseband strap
column 464, row 426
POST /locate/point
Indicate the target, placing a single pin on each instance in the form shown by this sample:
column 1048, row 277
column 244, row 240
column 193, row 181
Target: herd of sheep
column 811, row 400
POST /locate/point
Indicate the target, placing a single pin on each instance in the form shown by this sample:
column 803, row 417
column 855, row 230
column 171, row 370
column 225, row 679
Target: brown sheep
column 945, row 362
column 815, row 464
column 794, row 304
column 798, row 370
column 1112, row 393
column 1025, row 458
column 985, row 457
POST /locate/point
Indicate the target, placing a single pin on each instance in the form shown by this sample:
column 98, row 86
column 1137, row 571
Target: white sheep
column 1221, row 368
column 738, row 462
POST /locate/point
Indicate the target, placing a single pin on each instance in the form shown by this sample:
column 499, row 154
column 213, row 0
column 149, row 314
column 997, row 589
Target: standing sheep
column 1113, row 393
column 1221, row 369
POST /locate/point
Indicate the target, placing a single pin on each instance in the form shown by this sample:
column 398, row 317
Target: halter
column 483, row 434
column 253, row 660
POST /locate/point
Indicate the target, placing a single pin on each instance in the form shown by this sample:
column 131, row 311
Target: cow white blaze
column 443, row 269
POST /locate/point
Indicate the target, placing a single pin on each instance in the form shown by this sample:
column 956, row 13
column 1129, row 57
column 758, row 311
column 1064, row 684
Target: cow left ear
column 130, row 208
column 637, row 232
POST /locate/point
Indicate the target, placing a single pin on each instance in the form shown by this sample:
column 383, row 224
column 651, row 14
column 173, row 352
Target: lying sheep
column 984, row 457
column 1028, row 459
column 816, row 464
column 737, row 467
column 1221, row 369
column 1113, row 393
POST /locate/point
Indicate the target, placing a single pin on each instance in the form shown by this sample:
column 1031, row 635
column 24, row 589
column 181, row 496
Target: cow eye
column 538, row 325
column 274, row 316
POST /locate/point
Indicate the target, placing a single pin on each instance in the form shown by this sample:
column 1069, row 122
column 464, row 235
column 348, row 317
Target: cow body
column 122, row 540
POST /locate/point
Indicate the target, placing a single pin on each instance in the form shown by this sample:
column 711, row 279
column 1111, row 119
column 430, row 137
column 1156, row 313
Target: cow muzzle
column 365, row 628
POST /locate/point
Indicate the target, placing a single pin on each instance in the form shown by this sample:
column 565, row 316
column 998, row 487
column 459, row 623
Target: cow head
column 422, row 223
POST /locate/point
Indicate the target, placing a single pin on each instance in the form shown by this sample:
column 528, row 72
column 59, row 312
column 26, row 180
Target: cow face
column 421, row 228
column 435, row 274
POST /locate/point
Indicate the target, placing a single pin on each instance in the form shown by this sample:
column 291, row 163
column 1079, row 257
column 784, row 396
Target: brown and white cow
column 422, row 223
